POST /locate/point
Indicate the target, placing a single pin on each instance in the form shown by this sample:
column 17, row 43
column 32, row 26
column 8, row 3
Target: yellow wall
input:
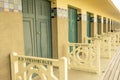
column 62, row 3
column 11, row 39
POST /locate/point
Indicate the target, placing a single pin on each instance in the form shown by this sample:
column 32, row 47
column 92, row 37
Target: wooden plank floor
column 113, row 70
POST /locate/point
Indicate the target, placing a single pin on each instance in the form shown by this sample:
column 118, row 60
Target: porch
column 82, row 62
column 41, row 28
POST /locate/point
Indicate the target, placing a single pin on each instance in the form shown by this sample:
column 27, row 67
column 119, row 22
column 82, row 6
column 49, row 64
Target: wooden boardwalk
column 113, row 69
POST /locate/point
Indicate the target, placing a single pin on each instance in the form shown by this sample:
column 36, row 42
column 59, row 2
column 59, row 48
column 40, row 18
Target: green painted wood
column 28, row 36
column 88, row 25
column 98, row 25
column 29, row 24
column 109, row 25
column 38, row 29
column 104, row 25
column 73, row 33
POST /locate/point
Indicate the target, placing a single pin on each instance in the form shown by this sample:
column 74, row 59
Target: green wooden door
column 98, row 25
column 108, row 25
column 88, row 25
column 104, row 25
column 37, row 28
column 73, row 33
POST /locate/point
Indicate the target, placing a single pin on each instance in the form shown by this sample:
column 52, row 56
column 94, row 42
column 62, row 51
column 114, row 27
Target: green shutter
column 73, row 33
column 88, row 25
column 104, row 25
column 98, row 25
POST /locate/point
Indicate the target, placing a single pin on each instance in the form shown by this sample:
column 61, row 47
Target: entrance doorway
column 37, row 28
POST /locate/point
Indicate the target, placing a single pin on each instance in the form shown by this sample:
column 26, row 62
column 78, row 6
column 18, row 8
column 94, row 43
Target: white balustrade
column 115, row 40
column 105, row 46
column 28, row 68
column 85, row 57
column 119, row 38
column 117, row 35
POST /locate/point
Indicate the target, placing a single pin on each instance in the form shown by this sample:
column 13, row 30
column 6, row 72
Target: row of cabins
column 44, row 31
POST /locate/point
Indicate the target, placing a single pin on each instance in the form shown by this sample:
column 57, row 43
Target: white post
column 63, row 65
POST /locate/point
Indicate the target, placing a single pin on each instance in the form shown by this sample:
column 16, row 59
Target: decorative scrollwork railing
column 113, row 41
column 119, row 37
column 27, row 68
column 85, row 57
column 109, row 42
column 105, row 46
column 116, row 39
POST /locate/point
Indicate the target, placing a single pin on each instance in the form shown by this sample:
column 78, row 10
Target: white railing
column 85, row 57
column 113, row 41
column 105, row 46
column 116, row 37
column 27, row 68
column 119, row 38
column 109, row 42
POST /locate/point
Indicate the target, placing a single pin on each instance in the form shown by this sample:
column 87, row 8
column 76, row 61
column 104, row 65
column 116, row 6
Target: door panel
column 39, row 33
column 43, row 34
column 44, row 38
column 43, row 9
column 72, row 14
column 29, row 24
column 28, row 7
column 28, row 36
column 43, row 27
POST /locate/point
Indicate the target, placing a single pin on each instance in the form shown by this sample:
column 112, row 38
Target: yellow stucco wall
column 62, row 3
column 11, row 39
